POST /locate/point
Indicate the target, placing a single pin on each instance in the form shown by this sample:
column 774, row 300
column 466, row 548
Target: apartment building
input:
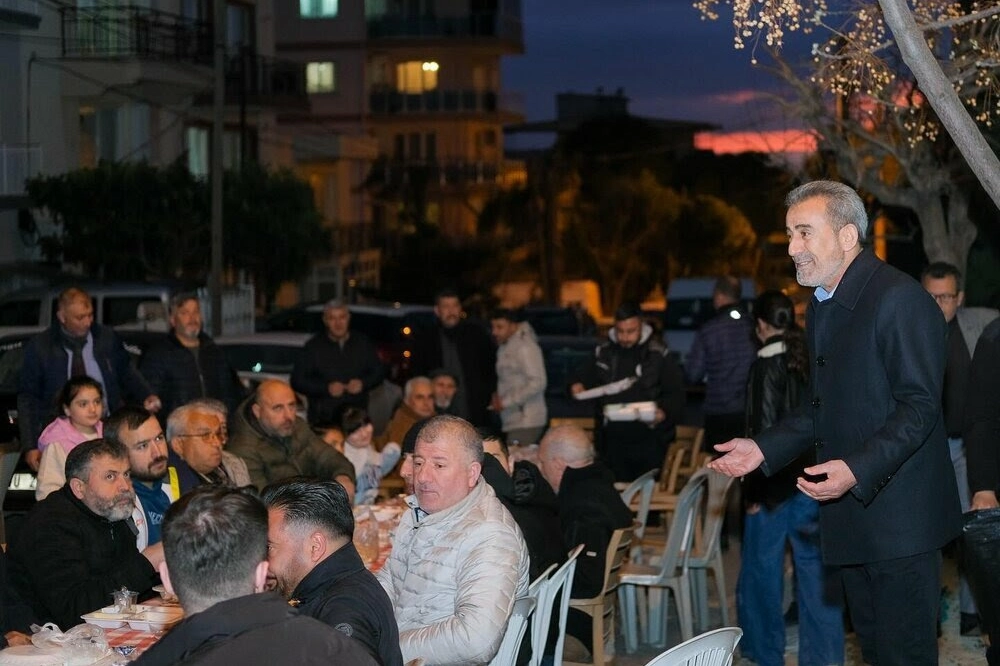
column 420, row 80
column 109, row 80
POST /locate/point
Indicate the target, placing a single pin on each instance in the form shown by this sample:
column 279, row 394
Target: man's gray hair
column 334, row 304
column 843, row 205
column 412, row 384
column 177, row 422
column 569, row 443
column 455, row 429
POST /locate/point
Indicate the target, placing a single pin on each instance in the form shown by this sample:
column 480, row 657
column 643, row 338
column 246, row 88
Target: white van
column 126, row 306
column 689, row 305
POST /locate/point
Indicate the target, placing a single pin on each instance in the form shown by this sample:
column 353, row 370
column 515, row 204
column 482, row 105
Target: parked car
column 390, row 327
column 125, row 306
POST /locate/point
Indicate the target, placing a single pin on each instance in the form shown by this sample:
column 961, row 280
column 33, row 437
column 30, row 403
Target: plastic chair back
column 517, row 624
column 713, row 648
column 560, row 581
column 643, row 487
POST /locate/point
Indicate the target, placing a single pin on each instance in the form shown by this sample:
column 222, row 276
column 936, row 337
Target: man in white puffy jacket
column 458, row 560
column 521, row 379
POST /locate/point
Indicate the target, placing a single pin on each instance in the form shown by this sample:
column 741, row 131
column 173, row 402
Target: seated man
column 590, row 509
column 215, row 541
column 75, row 546
column 418, row 403
column 275, row 443
column 454, row 580
column 317, row 568
column 196, row 435
column 154, row 480
column 529, row 498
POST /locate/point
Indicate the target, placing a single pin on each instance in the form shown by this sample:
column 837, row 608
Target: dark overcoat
column 877, row 349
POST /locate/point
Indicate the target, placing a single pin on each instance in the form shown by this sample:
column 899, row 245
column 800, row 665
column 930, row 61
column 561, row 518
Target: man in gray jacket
column 458, row 560
column 521, row 381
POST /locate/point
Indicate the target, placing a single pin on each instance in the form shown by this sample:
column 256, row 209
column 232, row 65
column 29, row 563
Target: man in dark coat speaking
column 873, row 415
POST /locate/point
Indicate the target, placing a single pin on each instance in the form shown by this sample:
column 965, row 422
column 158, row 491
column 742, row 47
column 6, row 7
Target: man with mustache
column 153, row 478
column 276, row 443
column 76, row 546
column 883, row 473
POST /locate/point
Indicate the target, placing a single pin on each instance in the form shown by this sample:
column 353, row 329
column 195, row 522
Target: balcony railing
column 130, row 31
column 476, row 25
column 433, row 101
column 399, row 172
column 18, row 162
column 262, row 80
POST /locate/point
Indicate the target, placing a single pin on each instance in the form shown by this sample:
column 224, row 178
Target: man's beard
column 148, row 476
column 116, row 509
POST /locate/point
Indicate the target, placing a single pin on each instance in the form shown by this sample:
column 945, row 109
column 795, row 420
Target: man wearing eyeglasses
column 944, row 282
column 155, row 481
column 197, row 436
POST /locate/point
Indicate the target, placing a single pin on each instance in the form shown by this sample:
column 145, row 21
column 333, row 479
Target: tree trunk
column 942, row 96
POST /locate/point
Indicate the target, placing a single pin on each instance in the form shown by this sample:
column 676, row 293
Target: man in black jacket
column 75, row 346
column 884, row 479
column 215, row 541
column 643, row 371
column 317, row 568
column 463, row 349
column 76, row 547
column 590, row 510
column 337, row 368
column 187, row 364
column 529, row 498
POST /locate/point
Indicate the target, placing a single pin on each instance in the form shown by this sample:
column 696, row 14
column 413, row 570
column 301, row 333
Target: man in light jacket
column 458, row 560
column 521, row 379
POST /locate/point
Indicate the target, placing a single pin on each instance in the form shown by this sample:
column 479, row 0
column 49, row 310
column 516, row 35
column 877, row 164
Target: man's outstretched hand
column 740, row 457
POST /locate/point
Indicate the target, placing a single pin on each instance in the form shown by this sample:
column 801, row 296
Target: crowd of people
column 851, row 437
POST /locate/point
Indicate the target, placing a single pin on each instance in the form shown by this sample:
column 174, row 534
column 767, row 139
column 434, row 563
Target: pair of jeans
column 957, row 449
column 759, row 589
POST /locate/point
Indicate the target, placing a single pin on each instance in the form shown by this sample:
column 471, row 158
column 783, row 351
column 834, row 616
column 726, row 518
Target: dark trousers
column 894, row 609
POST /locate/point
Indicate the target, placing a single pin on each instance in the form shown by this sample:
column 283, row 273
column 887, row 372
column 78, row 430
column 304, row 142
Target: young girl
column 369, row 465
column 82, row 402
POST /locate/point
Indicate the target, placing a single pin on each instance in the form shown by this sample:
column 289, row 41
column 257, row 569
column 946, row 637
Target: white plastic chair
column 560, row 581
column 667, row 573
column 713, row 648
column 643, row 487
column 707, row 553
column 517, row 624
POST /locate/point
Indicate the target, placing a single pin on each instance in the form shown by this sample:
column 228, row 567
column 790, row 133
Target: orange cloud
column 772, row 141
column 737, row 97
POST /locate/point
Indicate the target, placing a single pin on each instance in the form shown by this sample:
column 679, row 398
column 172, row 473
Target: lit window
column 317, row 8
column 321, row 77
column 416, row 77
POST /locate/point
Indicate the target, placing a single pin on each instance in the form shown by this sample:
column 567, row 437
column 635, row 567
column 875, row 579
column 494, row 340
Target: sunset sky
column 670, row 63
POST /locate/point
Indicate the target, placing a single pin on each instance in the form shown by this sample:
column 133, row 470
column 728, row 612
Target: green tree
column 271, row 226
column 137, row 221
column 120, row 220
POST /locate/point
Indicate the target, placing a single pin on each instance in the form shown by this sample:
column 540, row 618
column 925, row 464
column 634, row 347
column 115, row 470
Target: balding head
column 75, row 312
column 562, row 447
column 275, row 406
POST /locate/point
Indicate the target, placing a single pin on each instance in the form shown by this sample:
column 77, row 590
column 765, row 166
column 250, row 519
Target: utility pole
column 218, row 127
